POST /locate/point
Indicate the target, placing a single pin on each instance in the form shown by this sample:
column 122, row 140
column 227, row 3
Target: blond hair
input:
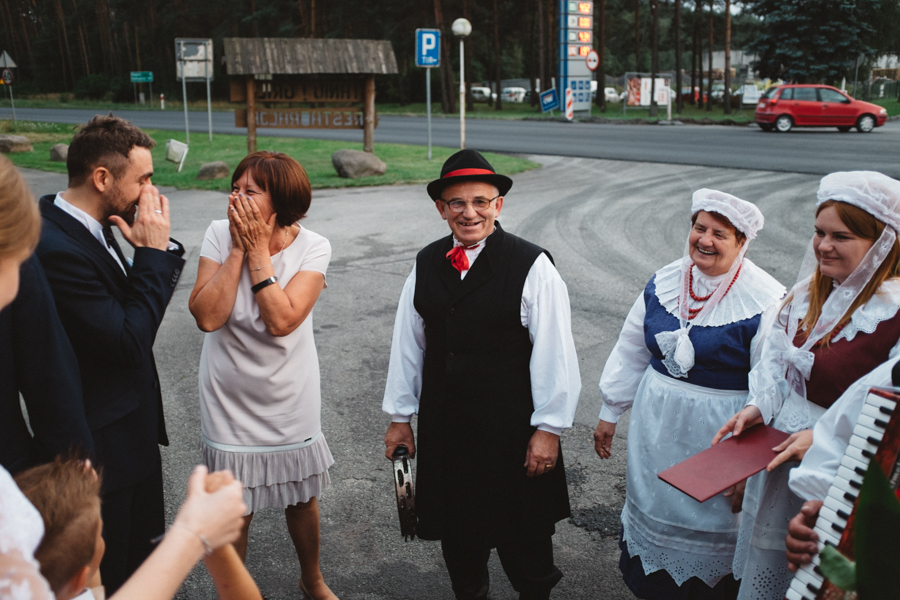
column 20, row 221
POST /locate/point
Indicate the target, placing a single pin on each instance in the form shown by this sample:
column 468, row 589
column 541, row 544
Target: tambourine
column 406, row 496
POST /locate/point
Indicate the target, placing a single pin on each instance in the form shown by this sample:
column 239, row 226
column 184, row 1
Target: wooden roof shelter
column 305, row 56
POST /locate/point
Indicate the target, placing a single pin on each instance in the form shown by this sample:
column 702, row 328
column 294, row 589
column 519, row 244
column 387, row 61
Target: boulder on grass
column 15, row 143
column 59, row 152
column 213, row 170
column 353, row 164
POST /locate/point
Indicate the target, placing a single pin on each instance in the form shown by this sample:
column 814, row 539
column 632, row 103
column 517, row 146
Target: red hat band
column 466, row 172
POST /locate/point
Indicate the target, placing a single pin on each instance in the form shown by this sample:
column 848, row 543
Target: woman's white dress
column 21, row 531
column 260, row 402
column 769, row 504
column 672, row 420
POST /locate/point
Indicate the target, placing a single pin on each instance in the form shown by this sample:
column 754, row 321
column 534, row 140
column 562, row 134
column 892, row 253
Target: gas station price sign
column 582, row 37
column 584, row 8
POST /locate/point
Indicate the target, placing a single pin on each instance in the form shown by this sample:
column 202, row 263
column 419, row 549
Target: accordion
column 876, row 436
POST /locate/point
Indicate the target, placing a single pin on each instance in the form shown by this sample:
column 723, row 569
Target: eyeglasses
column 478, row 204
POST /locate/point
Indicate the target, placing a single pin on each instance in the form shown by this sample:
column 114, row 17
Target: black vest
column 475, row 410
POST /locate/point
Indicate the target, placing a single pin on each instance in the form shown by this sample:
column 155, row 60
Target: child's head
column 67, row 494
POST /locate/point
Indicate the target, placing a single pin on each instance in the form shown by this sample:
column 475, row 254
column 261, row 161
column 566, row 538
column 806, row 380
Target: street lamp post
column 462, row 28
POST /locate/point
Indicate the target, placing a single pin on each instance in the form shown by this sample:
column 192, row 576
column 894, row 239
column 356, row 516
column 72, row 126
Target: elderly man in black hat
column 483, row 352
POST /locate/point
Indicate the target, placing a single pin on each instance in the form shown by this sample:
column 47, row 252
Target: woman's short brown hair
column 20, row 222
column 284, row 179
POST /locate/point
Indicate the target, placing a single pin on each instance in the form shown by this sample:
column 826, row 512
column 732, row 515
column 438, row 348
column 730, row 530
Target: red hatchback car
column 789, row 106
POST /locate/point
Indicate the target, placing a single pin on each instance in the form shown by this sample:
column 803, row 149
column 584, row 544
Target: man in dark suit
column 111, row 309
column 36, row 359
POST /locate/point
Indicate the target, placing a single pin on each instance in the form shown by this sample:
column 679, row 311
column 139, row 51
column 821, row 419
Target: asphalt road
column 813, row 151
column 608, row 224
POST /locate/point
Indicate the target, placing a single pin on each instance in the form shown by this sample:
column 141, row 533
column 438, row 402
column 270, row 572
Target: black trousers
column 527, row 563
column 132, row 517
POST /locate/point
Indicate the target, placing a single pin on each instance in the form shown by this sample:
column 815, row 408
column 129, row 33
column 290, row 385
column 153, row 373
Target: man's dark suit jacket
column 111, row 320
column 36, row 359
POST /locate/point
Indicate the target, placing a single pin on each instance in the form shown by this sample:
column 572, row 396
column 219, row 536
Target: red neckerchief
column 458, row 258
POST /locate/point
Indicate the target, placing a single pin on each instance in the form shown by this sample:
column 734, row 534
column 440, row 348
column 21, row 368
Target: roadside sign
column 570, row 101
column 142, row 77
column 549, row 100
column 428, row 48
column 6, row 78
column 592, row 60
column 6, row 61
column 749, row 94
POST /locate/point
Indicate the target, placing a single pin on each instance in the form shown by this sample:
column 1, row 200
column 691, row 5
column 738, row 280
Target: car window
column 832, row 96
column 805, row 94
column 787, row 93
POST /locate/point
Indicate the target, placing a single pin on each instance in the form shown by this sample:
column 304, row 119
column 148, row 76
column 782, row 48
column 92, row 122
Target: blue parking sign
column 549, row 100
column 428, row 47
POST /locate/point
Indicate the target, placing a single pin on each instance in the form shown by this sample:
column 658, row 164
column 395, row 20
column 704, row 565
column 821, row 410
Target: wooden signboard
column 304, row 118
column 346, row 91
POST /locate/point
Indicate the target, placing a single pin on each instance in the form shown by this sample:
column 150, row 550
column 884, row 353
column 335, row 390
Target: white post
column 462, row 94
column 428, row 106
column 669, row 103
column 13, row 104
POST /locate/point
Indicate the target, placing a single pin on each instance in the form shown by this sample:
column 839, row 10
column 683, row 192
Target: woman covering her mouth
column 839, row 322
column 681, row 364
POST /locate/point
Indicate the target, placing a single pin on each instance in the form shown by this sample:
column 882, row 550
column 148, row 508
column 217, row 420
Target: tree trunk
column 531, row 57
column 542, row 53
column 637, row 35
column 709, row 84
column 552, row 45
column 679, row 101
column 498, row 105
column 726, row 97
column 654, row 56
column 698, row 50
column 447, row 104
column 312, row 18
column 64, row 50
column 601, row 50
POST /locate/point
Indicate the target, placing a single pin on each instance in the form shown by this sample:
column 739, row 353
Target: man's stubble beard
column 113, row 201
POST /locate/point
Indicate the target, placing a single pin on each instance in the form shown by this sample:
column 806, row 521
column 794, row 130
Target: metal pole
column 856, row 80
column 151, row 95
column 209, row 106
column 13, row 104
column 428, row 106
column 134, row 88
column 462, row 94
column 187, row 134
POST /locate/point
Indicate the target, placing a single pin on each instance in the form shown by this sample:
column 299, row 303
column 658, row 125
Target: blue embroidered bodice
column 722, row 354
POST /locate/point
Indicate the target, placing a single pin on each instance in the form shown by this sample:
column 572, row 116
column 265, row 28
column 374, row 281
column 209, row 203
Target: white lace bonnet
column 746, row 218
column 878, row 195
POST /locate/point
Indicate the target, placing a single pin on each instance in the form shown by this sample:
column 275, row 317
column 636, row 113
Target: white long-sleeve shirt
column 545, row 312
column 832, row 433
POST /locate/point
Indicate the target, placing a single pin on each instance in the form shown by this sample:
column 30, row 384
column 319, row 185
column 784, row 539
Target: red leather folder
column 719, row 467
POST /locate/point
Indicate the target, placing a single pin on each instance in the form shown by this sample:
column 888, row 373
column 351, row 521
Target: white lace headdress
column 676, row 345
column 878, row 195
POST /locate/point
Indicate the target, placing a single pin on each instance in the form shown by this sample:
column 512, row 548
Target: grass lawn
column 891, row 104
column 405, row 163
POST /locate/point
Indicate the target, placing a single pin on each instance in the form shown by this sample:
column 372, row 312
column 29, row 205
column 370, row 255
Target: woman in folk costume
column 839, row 323
column 681, row 364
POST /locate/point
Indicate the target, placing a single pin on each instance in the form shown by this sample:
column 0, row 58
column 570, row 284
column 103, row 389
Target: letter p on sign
column 428, row 47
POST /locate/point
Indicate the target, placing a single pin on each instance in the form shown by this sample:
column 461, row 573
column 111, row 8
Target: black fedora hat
column 468, row 165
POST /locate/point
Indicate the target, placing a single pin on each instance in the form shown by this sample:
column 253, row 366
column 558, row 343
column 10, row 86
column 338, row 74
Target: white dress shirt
column 545, row 312
column 92, row 224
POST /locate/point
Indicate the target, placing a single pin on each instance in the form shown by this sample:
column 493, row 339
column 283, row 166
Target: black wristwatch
column 264, row 283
